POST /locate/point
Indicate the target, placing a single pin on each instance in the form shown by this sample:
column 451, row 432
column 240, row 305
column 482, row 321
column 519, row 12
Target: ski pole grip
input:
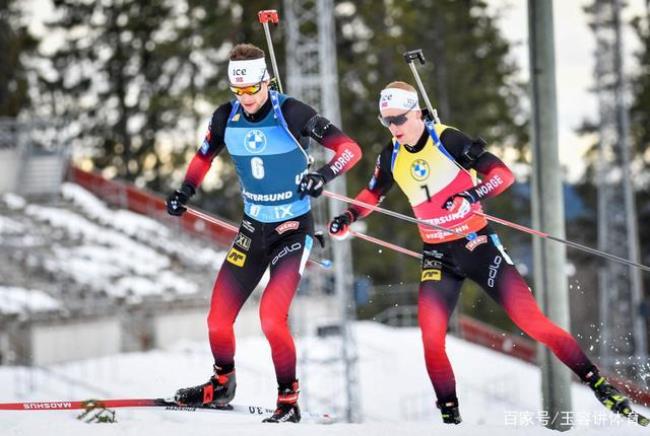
column 413, row 55
column 268, row 15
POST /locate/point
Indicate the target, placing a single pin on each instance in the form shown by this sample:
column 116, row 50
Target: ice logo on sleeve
column 420, row 170
column 255, row 141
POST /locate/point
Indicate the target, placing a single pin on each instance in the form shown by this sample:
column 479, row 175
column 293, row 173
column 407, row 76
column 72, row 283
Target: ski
column 166, row 404
column 635, row 417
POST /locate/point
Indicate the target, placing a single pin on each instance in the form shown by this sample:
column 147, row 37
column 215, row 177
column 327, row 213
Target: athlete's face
column 408, row 132
column 253, row 102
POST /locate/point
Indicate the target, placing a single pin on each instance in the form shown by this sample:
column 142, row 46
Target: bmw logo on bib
column 255, row 141
column 420, row 169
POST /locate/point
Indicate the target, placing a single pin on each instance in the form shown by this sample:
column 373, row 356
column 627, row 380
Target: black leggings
column 284, row 247
column 483, row 260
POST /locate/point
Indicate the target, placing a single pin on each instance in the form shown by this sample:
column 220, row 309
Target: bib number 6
column 257, row 168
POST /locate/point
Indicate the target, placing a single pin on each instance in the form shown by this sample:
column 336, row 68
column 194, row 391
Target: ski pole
column 385, row 244
column 390, row 213
column 496, row 220
column 323, row 263
column 410, row 57
column 576, row 245
column 264, row 17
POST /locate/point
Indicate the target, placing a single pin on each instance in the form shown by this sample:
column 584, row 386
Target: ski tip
column 636, row 417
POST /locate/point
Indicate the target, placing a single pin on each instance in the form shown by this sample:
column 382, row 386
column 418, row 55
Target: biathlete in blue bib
column 263, row 131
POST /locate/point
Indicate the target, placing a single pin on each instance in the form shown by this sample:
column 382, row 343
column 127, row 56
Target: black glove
column 176, row 200
column 311, row 184
column 320, row 238
column 455, row 202
column 339, row 227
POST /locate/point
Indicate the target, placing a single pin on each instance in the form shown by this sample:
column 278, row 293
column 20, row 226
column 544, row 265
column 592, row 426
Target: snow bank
column 23, row 301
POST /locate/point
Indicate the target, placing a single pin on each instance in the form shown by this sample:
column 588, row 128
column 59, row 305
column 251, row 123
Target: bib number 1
column 426, row 191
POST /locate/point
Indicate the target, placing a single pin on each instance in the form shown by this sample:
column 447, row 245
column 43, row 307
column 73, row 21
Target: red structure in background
column 127, row 196
column 480, row 333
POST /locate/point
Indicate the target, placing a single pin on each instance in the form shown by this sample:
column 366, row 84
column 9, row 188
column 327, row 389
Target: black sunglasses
column 398, row 120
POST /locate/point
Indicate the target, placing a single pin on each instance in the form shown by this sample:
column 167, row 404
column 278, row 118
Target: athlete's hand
column 459, row 202
column 311, row 184
column 177, row 200
column 339, row 227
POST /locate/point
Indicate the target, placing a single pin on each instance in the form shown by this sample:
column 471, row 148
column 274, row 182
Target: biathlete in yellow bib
column 437, row 168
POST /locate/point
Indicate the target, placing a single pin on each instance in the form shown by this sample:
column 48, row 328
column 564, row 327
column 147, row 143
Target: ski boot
column 612, row 398
column 449, row 411
column 607, row 394
column 216, row 393
column 287, row 409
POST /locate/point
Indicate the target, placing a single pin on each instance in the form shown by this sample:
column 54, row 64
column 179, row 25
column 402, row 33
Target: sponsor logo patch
column 420, row 170
column 248, row 226
column 255, row 141
column 431, row 274
column 285, row 227
column 385, row 98
column 489, row 186
column 430, row 263
column 471, row 245
column 205, row 147
column 236, row 257
column 286, row 250
column 340, row 163
column 434, row 253
column 243, row 241
column 439, row 234
column 276, row 196
column 283, row 211
column 493, row 271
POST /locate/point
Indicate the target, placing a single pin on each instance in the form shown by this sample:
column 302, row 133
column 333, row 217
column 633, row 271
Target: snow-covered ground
column 499, row 395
